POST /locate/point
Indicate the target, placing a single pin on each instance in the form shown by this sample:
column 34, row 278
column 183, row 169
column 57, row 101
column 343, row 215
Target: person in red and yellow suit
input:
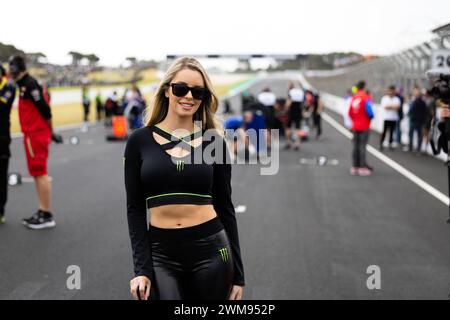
column 36, row 124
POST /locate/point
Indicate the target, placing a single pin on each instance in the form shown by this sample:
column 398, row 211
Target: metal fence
column 406, row 68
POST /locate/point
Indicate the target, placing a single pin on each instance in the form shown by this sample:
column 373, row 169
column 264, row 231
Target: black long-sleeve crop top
column 153, row 178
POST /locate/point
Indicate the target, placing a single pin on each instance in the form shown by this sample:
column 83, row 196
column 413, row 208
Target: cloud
column 116, row 29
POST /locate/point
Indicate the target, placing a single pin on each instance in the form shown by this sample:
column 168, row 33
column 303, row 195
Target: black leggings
column 192, row 263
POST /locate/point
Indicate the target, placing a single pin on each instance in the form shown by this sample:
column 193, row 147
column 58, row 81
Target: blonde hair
column 158, row 108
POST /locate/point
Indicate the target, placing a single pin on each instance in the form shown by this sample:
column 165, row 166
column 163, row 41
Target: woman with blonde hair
column 190, row 247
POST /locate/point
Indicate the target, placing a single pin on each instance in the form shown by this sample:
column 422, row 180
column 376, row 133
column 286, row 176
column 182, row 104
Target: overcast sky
column 116, row 29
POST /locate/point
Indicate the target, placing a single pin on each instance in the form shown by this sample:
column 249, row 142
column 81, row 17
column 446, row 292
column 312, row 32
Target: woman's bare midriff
column 180, row 215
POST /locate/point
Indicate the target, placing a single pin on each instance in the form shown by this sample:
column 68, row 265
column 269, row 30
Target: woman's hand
column 236, row 293
column 140, row 288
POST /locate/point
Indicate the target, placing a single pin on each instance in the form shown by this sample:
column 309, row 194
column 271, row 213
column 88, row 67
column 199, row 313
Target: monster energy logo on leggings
column 224, row 254
column 180, row 165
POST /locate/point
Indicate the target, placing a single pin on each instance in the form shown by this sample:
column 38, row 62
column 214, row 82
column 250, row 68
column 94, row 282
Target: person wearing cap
column 7, row 96
column 36, row 124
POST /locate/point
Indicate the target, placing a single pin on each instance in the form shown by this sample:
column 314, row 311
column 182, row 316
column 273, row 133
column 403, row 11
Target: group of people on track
column 421, row 109
column 294, row 115
column 131, row 105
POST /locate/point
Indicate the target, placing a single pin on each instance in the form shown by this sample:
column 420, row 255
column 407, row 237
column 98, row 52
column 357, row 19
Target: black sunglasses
column 181, row 89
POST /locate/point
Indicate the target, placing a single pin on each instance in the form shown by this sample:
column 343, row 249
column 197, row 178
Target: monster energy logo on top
column 224, row 254
column 180, row 165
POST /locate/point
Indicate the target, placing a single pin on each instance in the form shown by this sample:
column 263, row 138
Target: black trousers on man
column 360, row 139
column 388, row 125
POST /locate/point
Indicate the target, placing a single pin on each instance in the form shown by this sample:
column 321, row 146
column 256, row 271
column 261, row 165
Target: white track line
column 391, row 163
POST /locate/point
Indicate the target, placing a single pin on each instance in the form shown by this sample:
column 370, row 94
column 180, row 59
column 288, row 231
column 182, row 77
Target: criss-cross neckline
column 165, row 134
column 182, row 142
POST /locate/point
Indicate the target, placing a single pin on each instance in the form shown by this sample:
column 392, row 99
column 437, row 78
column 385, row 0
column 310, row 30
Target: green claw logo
column 224, row 254
column 180, row 165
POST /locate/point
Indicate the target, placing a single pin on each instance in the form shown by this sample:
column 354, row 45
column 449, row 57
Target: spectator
column 86, row 103
column 390, row 105
column 317, row 114
column 361, row 114
column 99, row 106
column 418, row 114
column 294, row 106
column 267, row 99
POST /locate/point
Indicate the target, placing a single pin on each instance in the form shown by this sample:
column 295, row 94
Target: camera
column 440, row 89
column 440, row 130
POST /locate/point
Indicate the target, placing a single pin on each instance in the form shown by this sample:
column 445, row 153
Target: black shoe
column 287, row 147
column 296, row 148
column 39, row 220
